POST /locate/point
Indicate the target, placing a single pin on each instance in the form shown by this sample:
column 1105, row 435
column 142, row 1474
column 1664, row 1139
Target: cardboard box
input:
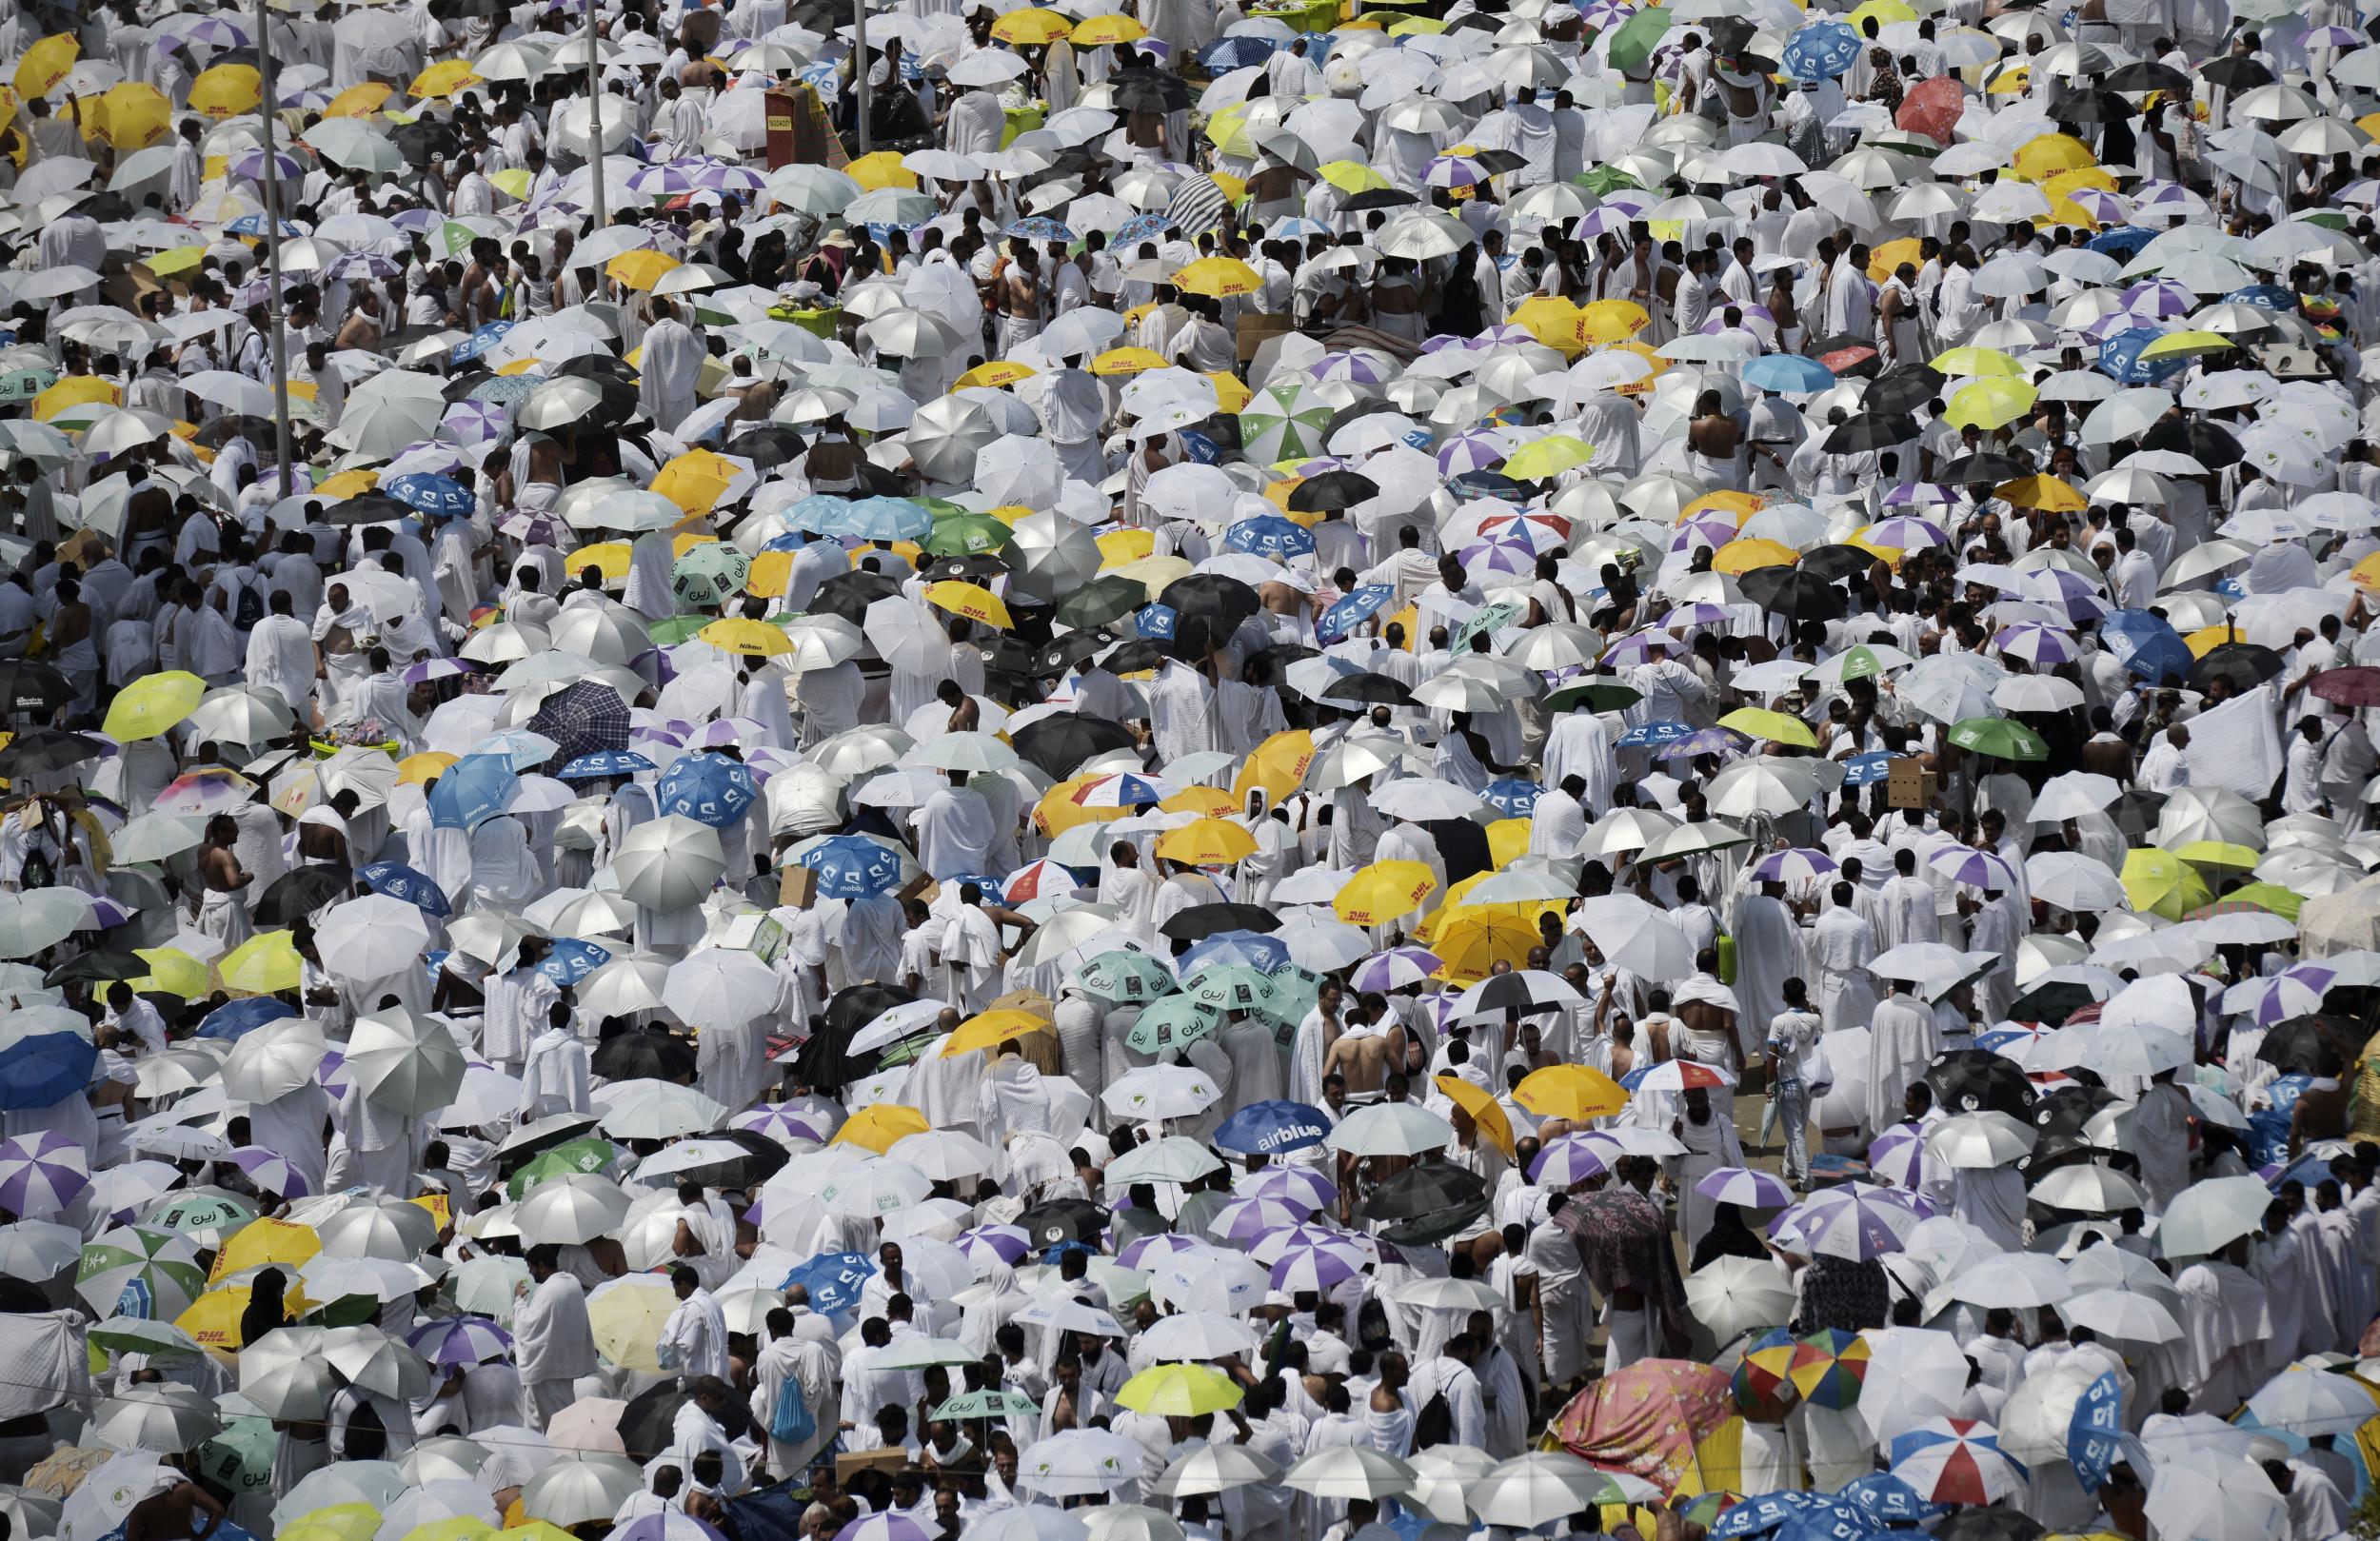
column 1257, row 328
column 847, row 1467
column 1908, row 784
column 797, row 885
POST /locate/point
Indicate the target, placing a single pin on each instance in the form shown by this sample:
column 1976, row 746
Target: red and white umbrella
column 1956, row 1461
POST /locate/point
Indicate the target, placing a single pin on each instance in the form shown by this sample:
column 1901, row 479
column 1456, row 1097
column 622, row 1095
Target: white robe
column 670, row 367
column 281, row 655
column 1903, row 1041
column 955, row 833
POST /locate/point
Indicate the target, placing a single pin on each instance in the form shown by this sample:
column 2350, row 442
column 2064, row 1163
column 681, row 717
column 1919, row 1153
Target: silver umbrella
column 944, row 436
column 1049, row 553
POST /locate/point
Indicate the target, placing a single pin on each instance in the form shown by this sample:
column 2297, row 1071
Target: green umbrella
column 987, row 1405
column 1488, row 618
column 1602, row 180
column 1633, row 44
column 1230, row 987
column 1861, row 664
column 240, row 1458
column 1124, row 974
column 1602, row 695
column 709, row 575
column 1168, row 1024
column 1101, row 601
column 483, row 1286
column 136, row 1271
column 967, row 535
column 572, row 1158
column 1999, row 737
column 1285, row 423
column 201, row 1211
column 1295, row 990
column 676, row 629
column 138, row 1334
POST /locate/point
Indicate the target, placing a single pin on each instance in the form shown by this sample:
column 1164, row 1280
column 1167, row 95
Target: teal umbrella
column 202, row 1213
column 1295, row 990
column 1633, row 42
column 1230, row 987
column 1123, row 975
column 709, row 575
column 987, row 1405
column 1169, row 1024
column 240, row 1458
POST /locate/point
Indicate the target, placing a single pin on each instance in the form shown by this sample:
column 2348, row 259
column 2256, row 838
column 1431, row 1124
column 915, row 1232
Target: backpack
column 38, row 872
column 1435, row 1424
column 249, row 608
column 789, row 1422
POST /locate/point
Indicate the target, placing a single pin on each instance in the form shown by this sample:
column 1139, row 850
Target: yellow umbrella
column 226, row 90
column 73, row 391
column 2367, row 572
column 512, row 184
column 153, row 704
column 265, row 965
column 213, row 1320
column 1777, row 727
column 1884, row 11
column 879, row 1125
column 171, row 972
column 1552, row 320
column 1990, row 403
column 1382, row 892
column 46, row 63
column 1153, row 573
column 358, row 101
column 340, row 1522
column 1128, row 545
column 1179, row 1390
column 264, row 1241
column 1474, row 1099
column 452, row 1528
column 1031, row 25
column 1206, row 802
column 1278, row 765
column 1228, row 131
column 1100, row 30
column 641, row 269
column 1231, row 392
column 753, row 638
column 1576, row 1093
column 2207, row 639
column 1126, row 361
column 1206, row 842
column 1474, row 942
column 971, row 601
column 419, row 770
column 626, row 1316
column 2218, row 854
column 769, row 572
column 1218, row 278
column 1351, row 176
column 2013, row 79
column 994, row 372
column 1058, row 812
column 130, row 114
column 2047, row 493
column 1883, row 259
column 2044, row 156
column 1541, row 459
column 878, row 170
column 2185, row 344
column 1743, row 554
column 695, row 480
column 1975, row 360
column 443, row 78
column 348, row 484
column 989, row 1030
column 1611, row 321
column 176, row 260
column 2159, row 882
column 1507, row 838
column 1736, row 505
column 609, row 558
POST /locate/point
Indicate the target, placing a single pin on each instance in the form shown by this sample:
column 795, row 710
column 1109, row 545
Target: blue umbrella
column 2265, row 296
column 817, row 511
column 254, row 225
column 1236, row 54
column 2161, row 661
column 834, row 1280
column 1159, row 622
column 471, row 791
column 1881, row 1500
column 1142, row 226
column 46, row 1069
column 1353, row 610
column 244, row 1017
column 1040, row 227
column 428, row 493
column 1788, row 372
column 2125, row 241
column 849, row 866
column 604, row 763
column 1820, row 52
column 1867, row 770
column 570, row 960
column 1654, row 732
column 479, row 341
column 885, row 518
column 2120, row 360
column 1273, row 1128
column 1269, row 534
column 418, row 889
column 1762, row 1512
column 707, row 787
column 1261, row 953
column 1513, row 798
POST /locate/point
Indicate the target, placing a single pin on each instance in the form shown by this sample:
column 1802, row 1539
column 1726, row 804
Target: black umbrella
column 848, row 595
column 101, row 965
column 418, row 142
column 643, row 1054
column 463, row 381
column 1869, row 430
column 2147, row 76
column 1224, row 602
column 2300, row 1043
column 1368, row 688
column 2235, row 74
column 1424, row 1189
column 1372, row 198
column 297, row 893
column 2062, row 1113
column 599, row 367
column 1063, row 653
column 233, row 426
column 2246, row 664
column 1990, row 465
column 1138, row 653
column 1600, row 693
column 1202, row 920
column 1836, row 562
column 1904, row 388
column 1519, row 992
column 1487, row 483
column 972, row 567
column 763, row 1158
column 2050, row 1002
column 529, row 1142
column 2079, row 104
column 648, row 1423
column 27, row 686
column 1989, row 1525
column 853, row 1008
column 1431, row 1229
column 1062, row 1221
column 1059, row 743
column 582, row 718
column 46, row 749
column 768, row 446
column 1099, row 601
column 1970, row 1080
column 1148, row 90
column 2206, row 443
column 1281, row 655
column 1332, row 490
column 1791, row 591
column 365, row 508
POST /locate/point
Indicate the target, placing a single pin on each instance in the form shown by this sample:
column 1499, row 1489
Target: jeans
column 1790, row 1099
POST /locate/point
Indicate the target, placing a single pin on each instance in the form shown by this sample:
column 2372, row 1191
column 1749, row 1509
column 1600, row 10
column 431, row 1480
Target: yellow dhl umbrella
column 2040, row 158
column 1776, row 727
column 2049, row 493
column 226, row 90
column 2067, row 183
column 878, row 1126
column 265, row 964
column 1126, row 361
column 1655, row 365
column 770, row 571
column 1278, row 765
column 1031, row 25
column 988, row 1030
column 2184, row 345
column 1981, row 361
column 1611, row 321
column 264, row 1241
column 1990, row 403
column 1206, row 842
column 358, row 101
column 1474, row 942
column 609, row 557
column 753, row 638
column 1507, row 840
column 1383, row 892
column 682, row 544
column 1742, row 555
column 1541, row 459
column 1351, row 176
column 422, row 769
column 1058, row 812
column 1883, row 259
column 1099, row 32
column 879, row 170
column 172, row 972
column 695, row 480
column 176, row 260
column 641, row 269
column 73, row 391
column 1202, row 800
column 1552, row 320
column 995, row 373
column 2207, row 639
column 348, row 484
column 1218, row 278
column 1726, row 504
column 128, row 115
column 1120, row 546
column 1576, row 1093
column 443, row 78
column 1231, row 392
column 153, row 704
column 46, row 63
column 1277, row 494
column 1179, row 1390
column 213, row 1321
column 967, row 600
column 2159, row 882
column 1483, row 1111
column 2367, row 572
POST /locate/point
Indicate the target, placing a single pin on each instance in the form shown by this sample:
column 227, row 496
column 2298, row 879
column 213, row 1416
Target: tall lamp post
column 271, row 183
column 859, row 50
column 595, row 116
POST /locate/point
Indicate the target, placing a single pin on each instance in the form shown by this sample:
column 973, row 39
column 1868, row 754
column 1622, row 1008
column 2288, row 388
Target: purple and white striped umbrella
column 727, row 176
column 1397, row 968
column 1245, row 1219
column 1713, row 530
column 1977, row 869
column 787, row 1121
column 1499, row 557
column 1742, row 1185
column 271, row 1171
column 1273, row 1245
column 987, row 1244
column 255, row 165
column 476, row 422
column 1905, row 531
column 1454, row 171
column 1700, row 613
column 1857, row 1221
column 2060, row 589
column 2159, row 299
column 671, row 179
column 1475, row 449
column 42, row 1173
column 1317, row 1269
column 1150, row 1253
column 2040, row 645
column 437, row 668
column 1608, row 220
column 1356, row 367
column 1566, row 1160
column 1794, row 866
column 1293, row 1184
column 1641, row 647
column 207, row 31
column 459, row 1340
column 1897, row 1156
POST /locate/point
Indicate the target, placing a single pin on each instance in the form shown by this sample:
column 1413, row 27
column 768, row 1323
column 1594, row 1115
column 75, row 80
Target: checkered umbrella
column 583, row 719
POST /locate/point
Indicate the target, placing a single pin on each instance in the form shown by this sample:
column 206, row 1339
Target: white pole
column 595, row 113
column 272, row 251
column 859, row 50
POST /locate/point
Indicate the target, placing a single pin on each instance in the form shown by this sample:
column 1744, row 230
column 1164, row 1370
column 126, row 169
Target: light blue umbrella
column 882, row 519
column 707, row 787
column 471, row 791
column 1788, row 372
column 851, row 867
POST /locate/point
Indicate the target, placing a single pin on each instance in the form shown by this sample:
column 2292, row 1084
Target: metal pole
column 595, row 115
column 859, row 48
column 272, row 251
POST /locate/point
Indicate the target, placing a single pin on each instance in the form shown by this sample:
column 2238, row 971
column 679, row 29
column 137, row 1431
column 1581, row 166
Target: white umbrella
column 2215, row 1501
column 1982, row 1139
column 373, row 938
column 101, row 1501
column 2313, row 1402
column 581, row 1489
column 1444, row 1476
column 669, row 863
column 1213, row 1469
column 2212, row 1213
column 1529, row 1490
column 404, row 1062
column 572, row 1207
column 656, row 1110
column 1079, row 1462
column 2135, row 1319
column 2016, row 1280
column 1391, row 1129
column 1634, row 935
column 1344, row 1472
column 1153, row 1093
column 271, row 1061
column 168, row 1419
column 1730, row 1296
column 720, row 988
column 1913, row 1373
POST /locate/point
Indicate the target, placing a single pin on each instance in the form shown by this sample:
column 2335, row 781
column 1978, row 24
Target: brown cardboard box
column 798, row 886
column 1908, row 784
column 893, row 1459
column 1256, row 329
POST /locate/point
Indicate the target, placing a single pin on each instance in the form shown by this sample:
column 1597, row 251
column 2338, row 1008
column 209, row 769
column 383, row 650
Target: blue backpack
column 789, row 1422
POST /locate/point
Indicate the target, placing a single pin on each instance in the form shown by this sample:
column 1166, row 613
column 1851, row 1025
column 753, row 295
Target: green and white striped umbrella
column 1283, row 423
column 135, row 1271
